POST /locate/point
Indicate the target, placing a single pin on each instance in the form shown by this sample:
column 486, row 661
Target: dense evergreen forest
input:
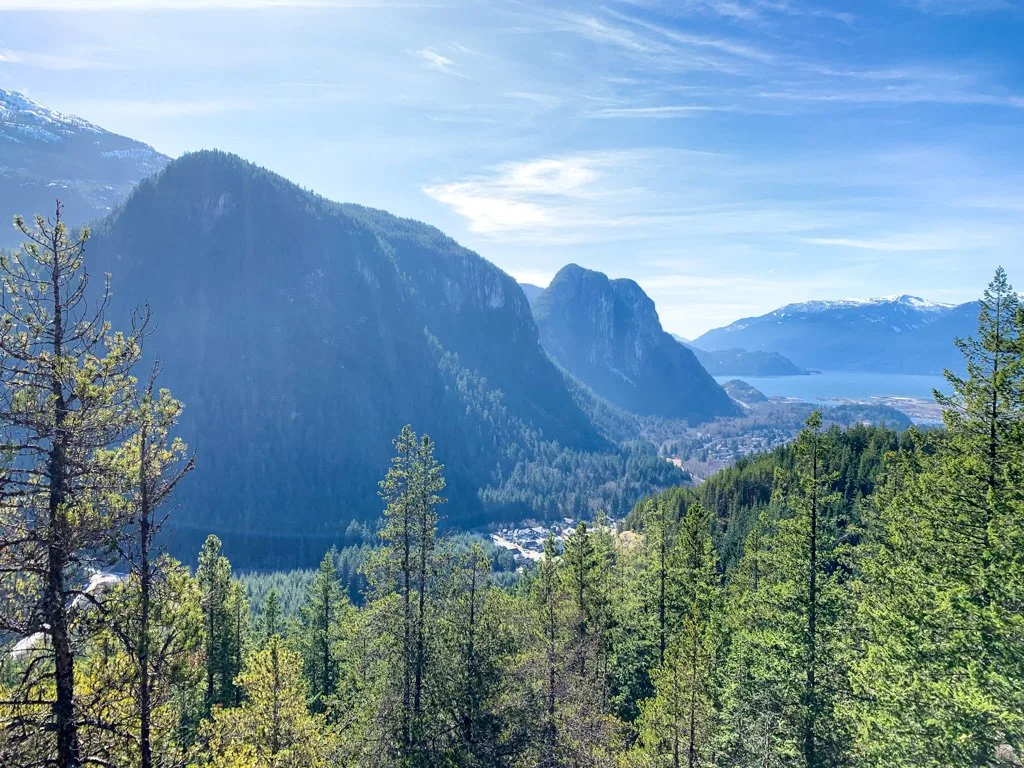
column 851, row 600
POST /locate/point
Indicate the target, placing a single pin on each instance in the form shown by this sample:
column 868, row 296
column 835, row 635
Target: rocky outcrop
column 607, row 334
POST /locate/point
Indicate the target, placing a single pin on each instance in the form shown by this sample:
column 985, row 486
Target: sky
column 731, row 156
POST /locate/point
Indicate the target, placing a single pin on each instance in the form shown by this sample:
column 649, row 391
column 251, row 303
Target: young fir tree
column 152, row 462
column 480, row 646
column 677, row 726
column 239, row 617
column 67, row 398
column 325, row 622
column 586, row 727
column 271, row 617
column 942, row 682
column 405, row 585
column 751, row 727
column 548, row 749
column 581, row 573
column 273, row 727
column 214, row 577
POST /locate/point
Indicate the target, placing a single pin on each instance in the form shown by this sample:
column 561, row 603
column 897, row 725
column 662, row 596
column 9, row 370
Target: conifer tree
column 549, row 606
column 797, row 654
column 238, row 613
column 271, row 617
column 405, row 585
column 272, row 728
column 214, row 577
column 480, row 648
column 325, row 619
column 152, row 463
column 752, row 732
column 677, row 726
column 66, row 400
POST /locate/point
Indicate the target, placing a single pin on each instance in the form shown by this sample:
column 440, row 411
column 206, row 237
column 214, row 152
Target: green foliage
column 678, row 723
column 941, row 680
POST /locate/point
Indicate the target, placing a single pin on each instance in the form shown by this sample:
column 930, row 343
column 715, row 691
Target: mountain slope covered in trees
column 902, row 334
column 302, row 334
column 607, row 334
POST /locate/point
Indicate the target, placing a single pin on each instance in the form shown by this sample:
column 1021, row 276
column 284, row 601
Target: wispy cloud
column 434, row 60
column 966, row 238
column 118, row 109
column 665, row 111
column 53, row 62
column 962, row 7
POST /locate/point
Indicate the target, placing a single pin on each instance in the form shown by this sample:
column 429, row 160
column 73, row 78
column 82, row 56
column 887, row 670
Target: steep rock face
column 607, row 334
column 302, row 334
column 899, row 334
column 46, row 154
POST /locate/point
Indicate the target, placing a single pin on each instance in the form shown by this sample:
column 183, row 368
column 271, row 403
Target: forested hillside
column 853, row 600
column 302, row 334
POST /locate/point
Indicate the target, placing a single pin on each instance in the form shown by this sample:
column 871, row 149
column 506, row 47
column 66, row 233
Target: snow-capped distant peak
column 914, row 302
column 34, row 120
column 917, row 302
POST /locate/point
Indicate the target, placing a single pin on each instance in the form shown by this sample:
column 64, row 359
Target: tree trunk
column 65, row 723
column 145, row 587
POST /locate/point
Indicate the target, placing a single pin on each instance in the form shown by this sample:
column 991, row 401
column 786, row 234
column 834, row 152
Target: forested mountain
column 303, row 334
column 740, row 362
column 607, row 334
column 45, row 155
column 902, row 334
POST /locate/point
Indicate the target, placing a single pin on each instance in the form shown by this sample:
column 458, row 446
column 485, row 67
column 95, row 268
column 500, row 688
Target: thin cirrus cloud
column 437, row 61
column 52, row 62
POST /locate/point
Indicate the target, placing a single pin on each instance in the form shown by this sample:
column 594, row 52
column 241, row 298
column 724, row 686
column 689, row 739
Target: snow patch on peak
column 19, row 111
column 913, row 302
column 917, row 302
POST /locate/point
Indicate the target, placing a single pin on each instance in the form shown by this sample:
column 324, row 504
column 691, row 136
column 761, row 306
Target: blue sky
column 729, row 155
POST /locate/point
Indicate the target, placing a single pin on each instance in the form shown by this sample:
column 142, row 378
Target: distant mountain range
column 607, row 334
column 896, row 334
column 45, row 155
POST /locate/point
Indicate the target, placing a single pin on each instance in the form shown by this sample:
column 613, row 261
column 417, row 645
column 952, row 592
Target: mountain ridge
column 897, row 334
